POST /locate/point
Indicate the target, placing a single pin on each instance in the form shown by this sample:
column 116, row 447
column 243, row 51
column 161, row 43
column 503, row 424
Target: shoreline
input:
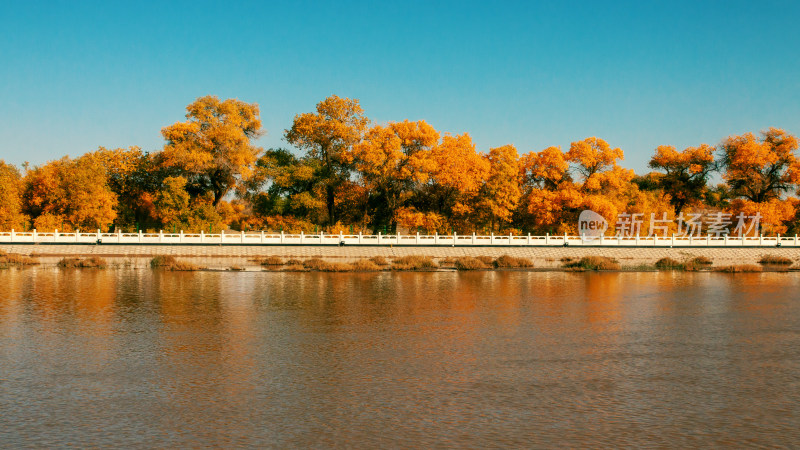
column 250, row 258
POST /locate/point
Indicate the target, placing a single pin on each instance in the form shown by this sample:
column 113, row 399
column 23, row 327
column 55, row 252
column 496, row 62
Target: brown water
column 491, row 359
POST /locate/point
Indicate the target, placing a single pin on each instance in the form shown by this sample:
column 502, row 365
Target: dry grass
column 567, row 259
column 414, row 262
column 470, row 263
column 236, row 268
column 744, row 268
column 593, row 263
column 366, row 265
column 167, row 262
column 448, row 260
column 775, row 260
column 320, row 265
column 698, row 263
column 669, row 264
column 488, row 260
column 272, row 261
column 379, row 260
column 295, row 268
column 16, row 260
column 315, row 264
column 93, row 262
column 506, row 261
column 294, row 262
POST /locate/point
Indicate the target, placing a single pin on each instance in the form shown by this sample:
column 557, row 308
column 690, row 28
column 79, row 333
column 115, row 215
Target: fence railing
column 451, row 240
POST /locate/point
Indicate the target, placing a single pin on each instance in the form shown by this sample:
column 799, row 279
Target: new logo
column 591, row 225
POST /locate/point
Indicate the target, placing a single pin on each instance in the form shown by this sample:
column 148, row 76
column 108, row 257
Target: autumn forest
column 344, row 172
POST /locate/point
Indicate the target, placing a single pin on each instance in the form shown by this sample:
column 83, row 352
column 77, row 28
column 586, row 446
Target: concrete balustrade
column 454, row 240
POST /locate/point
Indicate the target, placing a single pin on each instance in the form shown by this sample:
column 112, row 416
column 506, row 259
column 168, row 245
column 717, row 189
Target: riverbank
column 251, row 257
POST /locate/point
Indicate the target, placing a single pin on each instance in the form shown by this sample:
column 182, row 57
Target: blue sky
column 78, row 75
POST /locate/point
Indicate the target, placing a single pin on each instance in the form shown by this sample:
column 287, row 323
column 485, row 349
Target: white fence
column 269, row 238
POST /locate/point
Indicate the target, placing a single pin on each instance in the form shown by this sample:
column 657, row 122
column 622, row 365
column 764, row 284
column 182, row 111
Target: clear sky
column 76, row 75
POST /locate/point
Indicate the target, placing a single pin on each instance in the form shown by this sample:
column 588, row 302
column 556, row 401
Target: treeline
column 349, row 174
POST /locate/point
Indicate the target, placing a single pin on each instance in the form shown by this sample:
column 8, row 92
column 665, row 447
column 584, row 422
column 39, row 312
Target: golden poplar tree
column 213, row 149
column 328, row 136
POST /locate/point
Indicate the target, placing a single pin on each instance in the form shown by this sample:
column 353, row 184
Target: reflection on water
column 141, row 358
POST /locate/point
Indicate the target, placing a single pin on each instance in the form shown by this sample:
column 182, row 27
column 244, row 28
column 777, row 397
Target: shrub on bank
column 16, row 260
column 93, row 262
column 593, row 263
column 366, row 265
column 775, row 260
column 739, row 269
column 414, row 262
column 488, row 260
column 669, row 264
column 506, row 261
column 470, row 263
column 272, row 261
column 379, row 260
column 167, row 262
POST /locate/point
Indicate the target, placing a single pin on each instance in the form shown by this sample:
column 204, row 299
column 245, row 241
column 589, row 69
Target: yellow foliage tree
column 761, row 169
column 500, row 194
column 74, row 193
column 213, row 150
column 392, row 162
column 328, row 135
column 457, row 176
column 686, row 173
column 11, row 216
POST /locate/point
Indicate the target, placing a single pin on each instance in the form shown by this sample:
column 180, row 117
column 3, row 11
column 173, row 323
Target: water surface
column 513, row 359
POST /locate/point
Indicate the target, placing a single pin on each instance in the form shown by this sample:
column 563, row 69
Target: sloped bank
column 541, row 258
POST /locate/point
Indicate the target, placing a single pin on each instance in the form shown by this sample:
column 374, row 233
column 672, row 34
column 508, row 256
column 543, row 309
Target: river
column 138, row 358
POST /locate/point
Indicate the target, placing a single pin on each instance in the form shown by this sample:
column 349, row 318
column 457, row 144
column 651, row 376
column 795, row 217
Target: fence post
column 12, row 235
column 160, row 236
column 202, row 235
column 435, row 237
column 672, row 242
column 565, row 238
column 99, row 235
column 359, row 237
column 281, row 236
column 529, row 238
column 454, row 238
column 491, row 239
column 140, row 236
column 760, row 239
column 55, row 235
column 379, row 238
column 417, row 239
column 77, row 235
column 726, row 240
column 35, row 236
column 301, row 236
column 547, row 239
column 262, row 236
column 242, row 236
column 119, row 235
column 180, row 237
column 221, row 236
